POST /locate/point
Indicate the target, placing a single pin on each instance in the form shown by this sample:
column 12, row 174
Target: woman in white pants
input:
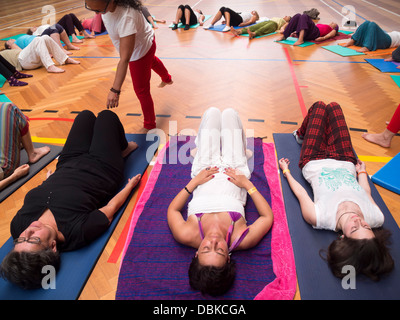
column 216, row 223
column 38, row 53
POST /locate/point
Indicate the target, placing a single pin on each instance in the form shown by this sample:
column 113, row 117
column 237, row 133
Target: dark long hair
column 211, row 280
column 370, row 257
column 135, row 4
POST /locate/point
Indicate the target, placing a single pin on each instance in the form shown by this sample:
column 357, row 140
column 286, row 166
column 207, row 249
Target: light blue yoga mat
column 388, row 176
column 292, row 40
column 76, row 266
column 265, row 35
column 342, row 51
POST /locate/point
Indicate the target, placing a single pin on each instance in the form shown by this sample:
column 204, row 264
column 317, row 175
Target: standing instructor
column 134, row 39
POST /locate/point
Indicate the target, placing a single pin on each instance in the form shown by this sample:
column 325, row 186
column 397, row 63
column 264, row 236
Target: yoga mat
column 76, row 266
column 383, row 66
column 389, row 175
column 2, row 81
column 33, row 170
column 13, row 37
column 155, row 266
column 221, row 27
column 315, row 279
column 346, row 31
column 265, row 35
column 194, row 26
column 396, row 80
column 4, row 98
column 292, row 40
column 342, row 51
column 377, row 52
column 98, row 34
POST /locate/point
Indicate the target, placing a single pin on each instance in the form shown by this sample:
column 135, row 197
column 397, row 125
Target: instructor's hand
column 112, row 100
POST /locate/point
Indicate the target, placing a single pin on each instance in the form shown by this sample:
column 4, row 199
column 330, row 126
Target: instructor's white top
column 124, row 22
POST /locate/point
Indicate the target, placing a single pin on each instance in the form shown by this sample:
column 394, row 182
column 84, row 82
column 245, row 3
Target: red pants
column 141, row 75
column 326, row 135
column 394, row 124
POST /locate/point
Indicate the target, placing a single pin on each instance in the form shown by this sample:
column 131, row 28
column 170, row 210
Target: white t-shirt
column 395, row 37
column 40, row 29
column 124, row 22
column 246, row 16
column 334, row 182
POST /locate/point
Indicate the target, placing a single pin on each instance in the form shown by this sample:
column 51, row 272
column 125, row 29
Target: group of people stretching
column 90, row 171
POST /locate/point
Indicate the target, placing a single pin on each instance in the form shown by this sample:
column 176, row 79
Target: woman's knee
column 222, row 10
column 181, row 7
column 213, row 112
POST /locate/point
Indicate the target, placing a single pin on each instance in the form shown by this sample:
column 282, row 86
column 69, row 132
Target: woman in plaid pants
column 342, row 196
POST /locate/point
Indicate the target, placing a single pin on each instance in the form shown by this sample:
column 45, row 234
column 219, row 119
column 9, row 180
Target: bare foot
column 75, row 39
column 163, row 84
column 131, row 146
column 363, row 49
column 280, row 38
column 252, row 35
column 298, row 43
column 54, row 69
column 38, row 153
column 71, row 61
column 234, row 32
column 67, row 52
column 21, row 171
column 378, row 138
column 350, row 43
column 72, row 47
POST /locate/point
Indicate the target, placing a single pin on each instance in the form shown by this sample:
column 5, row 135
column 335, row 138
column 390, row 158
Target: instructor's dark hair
column 135, row 4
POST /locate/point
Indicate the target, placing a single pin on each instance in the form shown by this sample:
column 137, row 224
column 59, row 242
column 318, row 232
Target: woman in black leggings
column 234, row 19
column 188, row 17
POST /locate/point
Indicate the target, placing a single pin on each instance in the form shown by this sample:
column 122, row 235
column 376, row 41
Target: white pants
column 37, row 53
column 220, row 142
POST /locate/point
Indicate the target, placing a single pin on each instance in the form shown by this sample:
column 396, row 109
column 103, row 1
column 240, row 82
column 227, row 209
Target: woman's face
column 36, row 230
column 213, row 251
column 354, row 226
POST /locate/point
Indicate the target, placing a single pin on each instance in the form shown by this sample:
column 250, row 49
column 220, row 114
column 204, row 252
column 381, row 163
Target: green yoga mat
column 4, row 98
column 180, row 25
column 292, row 40
column 396, row 80
column 342, row 51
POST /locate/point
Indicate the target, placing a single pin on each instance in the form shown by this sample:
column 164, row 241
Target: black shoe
column 175, row 26
column 187, row 27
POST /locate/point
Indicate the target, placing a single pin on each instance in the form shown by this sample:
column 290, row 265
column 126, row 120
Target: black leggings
column 236, row 19
column 193, row 18
column 102, row 138
column 57, row 28
column 69, row 22
column 6, row 69
column 396, row 55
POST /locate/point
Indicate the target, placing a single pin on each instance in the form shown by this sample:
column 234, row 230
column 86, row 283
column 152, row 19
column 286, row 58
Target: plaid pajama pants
column 325, row 135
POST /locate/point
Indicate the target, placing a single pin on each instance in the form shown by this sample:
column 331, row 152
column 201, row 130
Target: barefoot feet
column 38, row 153
column 163, row 84
column 382, row 139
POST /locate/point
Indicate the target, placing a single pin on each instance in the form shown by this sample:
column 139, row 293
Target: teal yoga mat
column 342, row 51
column 396, row 80
column 292, row 40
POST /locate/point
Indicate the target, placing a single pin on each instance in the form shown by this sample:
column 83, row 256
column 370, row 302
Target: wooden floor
column 261, row 79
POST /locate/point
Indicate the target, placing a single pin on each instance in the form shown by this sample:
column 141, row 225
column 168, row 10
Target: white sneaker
column 226, row 29
column 208, row 27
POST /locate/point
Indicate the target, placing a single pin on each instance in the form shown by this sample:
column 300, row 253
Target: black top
column 74, row 193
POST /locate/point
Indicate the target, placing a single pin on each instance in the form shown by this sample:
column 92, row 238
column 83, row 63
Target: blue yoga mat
column 315, row 279
column 389, row 175
column 383, row 66
column 76, row 266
